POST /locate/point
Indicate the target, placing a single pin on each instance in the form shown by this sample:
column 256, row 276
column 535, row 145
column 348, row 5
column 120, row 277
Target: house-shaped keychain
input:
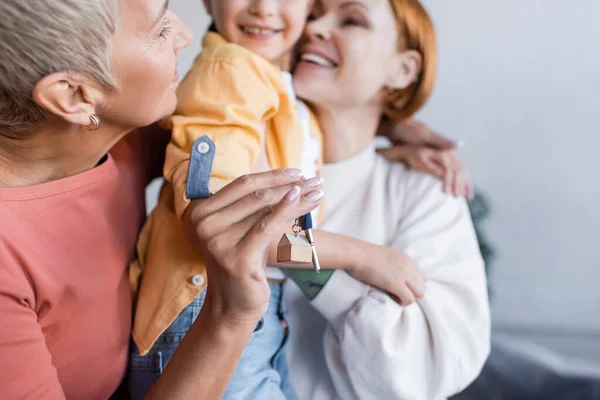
column 294, row 248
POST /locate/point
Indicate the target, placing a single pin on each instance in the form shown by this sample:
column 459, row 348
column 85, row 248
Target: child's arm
column 225, row 97
column 381, row 267
column 421, row 148
column 443, row 164
column 415, row 133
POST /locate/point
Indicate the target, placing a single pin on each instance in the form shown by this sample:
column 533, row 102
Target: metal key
column 306, row 224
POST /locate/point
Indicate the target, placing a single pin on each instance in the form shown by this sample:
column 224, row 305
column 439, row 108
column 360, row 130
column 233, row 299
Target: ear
column 71, row 96
column 404, row 69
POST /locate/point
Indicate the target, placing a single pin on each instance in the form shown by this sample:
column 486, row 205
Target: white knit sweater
column 355, row 342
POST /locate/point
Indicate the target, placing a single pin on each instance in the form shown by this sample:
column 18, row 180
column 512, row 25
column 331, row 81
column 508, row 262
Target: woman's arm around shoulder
column 435, row 347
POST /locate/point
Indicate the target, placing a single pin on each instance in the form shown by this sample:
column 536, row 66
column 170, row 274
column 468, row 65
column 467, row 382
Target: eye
column 353, row 22
column 166, row 29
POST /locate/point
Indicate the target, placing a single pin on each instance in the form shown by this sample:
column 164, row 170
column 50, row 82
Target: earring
column 390, row 89
column 94, row 124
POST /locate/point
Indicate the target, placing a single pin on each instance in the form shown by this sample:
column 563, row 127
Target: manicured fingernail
column 314, row 182
column 460, row 144
column 293, row 172
column 293, row 194
column 314, row 195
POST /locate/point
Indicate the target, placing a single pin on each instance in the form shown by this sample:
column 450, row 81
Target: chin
column 168, row 108
column 310, row 90
column 161, row 112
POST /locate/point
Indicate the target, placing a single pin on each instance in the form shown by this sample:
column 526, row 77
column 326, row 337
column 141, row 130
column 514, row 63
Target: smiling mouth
column 317, row 60
column 259, row 32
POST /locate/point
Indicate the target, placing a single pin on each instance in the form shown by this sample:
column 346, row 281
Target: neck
column 52, row 152
column 348, row 131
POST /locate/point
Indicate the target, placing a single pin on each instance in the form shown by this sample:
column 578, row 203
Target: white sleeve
column 376, row 349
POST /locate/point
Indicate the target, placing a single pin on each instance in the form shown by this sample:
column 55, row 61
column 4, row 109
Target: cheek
column 295, row 21
column 152, row 71
column 363, row 70
column 147, row 89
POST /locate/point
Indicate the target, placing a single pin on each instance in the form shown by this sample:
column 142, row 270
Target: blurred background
column 519, row 82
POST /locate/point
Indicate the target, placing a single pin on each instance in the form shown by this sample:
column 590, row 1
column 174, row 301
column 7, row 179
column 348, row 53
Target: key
column 306, row 224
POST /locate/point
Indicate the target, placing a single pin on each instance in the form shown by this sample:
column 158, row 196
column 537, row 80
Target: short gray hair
column 40, row 37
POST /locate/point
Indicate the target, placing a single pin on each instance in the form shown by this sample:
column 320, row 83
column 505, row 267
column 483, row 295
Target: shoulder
column 16, row 284
column 414, row 197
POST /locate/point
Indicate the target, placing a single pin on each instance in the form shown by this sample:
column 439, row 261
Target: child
column 238, row 94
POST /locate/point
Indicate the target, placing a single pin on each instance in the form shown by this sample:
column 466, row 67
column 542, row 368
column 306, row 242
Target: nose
column 263, row 8
column 318, row 29
column 183, row 37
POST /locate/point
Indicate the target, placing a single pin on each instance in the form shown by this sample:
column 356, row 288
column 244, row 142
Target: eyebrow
column 354, row 3
column 162, row 13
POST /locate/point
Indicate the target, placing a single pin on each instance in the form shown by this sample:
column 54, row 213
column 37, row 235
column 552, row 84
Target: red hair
column 416, row 33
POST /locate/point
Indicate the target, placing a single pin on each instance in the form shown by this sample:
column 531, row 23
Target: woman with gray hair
column 77, row 80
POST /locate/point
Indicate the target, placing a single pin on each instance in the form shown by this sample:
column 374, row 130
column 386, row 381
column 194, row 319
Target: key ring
column 296, row 228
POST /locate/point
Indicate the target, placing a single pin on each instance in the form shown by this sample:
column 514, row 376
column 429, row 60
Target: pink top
column 65, row 302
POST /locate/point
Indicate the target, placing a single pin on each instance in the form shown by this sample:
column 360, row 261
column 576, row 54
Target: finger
column 459, row 183
column 445, row 162
column 431, row 167
column 442, row 158
column 237, row 231
column 246, row 184
column 462, row 178
column 240, row 229
column 290, row 207
column 393, row 153
column 395, row 298
column 405, row 295
column 448, row 180
column 255, row 201
column 416, row 285
column 437, row 141
column 465, row 189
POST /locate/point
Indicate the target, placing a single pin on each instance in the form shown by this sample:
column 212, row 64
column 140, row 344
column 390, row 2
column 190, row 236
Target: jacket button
column 198, row 280
column 203, row 147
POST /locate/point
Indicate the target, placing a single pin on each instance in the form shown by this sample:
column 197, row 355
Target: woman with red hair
column 361, row 61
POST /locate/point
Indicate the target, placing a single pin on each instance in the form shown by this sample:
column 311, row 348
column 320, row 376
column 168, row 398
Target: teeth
column 317, row 60
column 257, row 31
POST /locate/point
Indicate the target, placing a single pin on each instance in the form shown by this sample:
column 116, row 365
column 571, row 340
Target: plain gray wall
column 519, row 81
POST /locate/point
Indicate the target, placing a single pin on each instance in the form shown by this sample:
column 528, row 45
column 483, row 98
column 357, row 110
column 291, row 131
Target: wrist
column 226, row 320
column 359, row 255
